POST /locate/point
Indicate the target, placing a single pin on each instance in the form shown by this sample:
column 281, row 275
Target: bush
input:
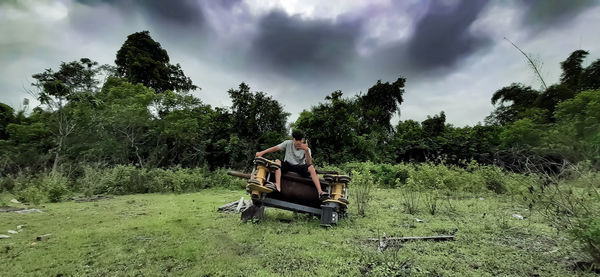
column 56, row 186
column 219, row 178
column 429, row 176
column 384, row 175
column 41, row 188
column 361, row 186
column 124, row 179
column 7, row 183
column 474, row 178
column 33, row 195
column 90, row 181
column 410, row 200
column 570, row 204
column 588, row 233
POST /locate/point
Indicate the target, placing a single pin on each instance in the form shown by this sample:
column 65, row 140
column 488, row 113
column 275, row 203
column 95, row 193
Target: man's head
column 297, row 138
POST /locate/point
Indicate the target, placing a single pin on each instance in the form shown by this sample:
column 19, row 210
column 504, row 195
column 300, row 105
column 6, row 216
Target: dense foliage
column 141, row 112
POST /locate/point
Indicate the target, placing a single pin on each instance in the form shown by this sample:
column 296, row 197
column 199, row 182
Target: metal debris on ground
column 43, row 237
column 384, row 242
column 235, row 206
column 91, row 198
column 29, row 211
column 517, row 216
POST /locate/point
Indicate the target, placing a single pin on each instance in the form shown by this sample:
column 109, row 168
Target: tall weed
column 361, row 187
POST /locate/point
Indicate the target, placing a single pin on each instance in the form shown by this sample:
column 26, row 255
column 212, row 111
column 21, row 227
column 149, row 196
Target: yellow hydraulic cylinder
column 337, row 191
column 261, row 174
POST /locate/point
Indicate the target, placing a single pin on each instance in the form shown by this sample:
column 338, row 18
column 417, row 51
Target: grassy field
column 183, row 234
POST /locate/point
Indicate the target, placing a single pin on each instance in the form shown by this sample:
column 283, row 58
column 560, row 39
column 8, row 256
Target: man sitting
column 297, row 159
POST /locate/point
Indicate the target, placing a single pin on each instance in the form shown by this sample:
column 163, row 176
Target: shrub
column 7, row 183
column 125, row 179
column 90, row 182
column 41, row 187
column 570, row 204
column 219, row 178
column 32, row 194
column 56, row 186
column 431, row 202
column 410, row 200
column 384, row 175
column 493, row 177
column 588, row 233
column 361, row 186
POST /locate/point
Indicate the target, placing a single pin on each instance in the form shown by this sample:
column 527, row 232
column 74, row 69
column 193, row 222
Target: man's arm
column 272, row 149
column 307, row 153
column 308, row 157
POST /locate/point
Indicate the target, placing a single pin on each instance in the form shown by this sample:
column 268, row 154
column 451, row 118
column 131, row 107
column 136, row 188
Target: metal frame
column 274, row 203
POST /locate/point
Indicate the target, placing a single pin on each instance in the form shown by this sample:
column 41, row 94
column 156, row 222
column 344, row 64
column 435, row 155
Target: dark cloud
column 293, row 45
column 181, row 12
column 442, row 36
column 543, row 13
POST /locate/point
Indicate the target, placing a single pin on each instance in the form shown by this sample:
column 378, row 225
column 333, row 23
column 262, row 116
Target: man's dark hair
column 297, row 134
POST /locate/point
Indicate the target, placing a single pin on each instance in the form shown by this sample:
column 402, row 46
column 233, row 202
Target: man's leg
column 315, row 178
column 278, row 175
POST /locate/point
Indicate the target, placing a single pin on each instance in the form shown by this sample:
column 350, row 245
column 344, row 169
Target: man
column 297, row 159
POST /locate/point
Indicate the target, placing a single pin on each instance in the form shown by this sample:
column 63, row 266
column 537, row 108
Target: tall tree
column 73, row 82
column 7, row 116
column 513, row 101
column 591, row 76
column 142, row 60
column 380, row 103
column 258, row 122
column 572, row 69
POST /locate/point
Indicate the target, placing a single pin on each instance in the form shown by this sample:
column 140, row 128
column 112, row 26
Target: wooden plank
column 403, row 239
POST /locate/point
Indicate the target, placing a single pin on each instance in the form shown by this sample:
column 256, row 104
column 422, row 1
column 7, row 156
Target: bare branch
column 533, row 65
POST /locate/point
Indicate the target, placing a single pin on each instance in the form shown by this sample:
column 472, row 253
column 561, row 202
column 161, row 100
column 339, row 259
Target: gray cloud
column 442, row 36
column 293, row 45
column 540, row 14
column 182, row 12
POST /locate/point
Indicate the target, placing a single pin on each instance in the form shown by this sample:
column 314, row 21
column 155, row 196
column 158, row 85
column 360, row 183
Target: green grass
column 182, row 234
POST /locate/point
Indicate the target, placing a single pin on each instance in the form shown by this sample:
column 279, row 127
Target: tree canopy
column 143, row 60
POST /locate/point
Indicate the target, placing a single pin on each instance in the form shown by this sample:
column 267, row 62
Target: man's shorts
column 301, row 169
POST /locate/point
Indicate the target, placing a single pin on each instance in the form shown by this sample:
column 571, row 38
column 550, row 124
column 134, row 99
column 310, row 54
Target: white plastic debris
column 419, row 220
column 481, row 198
column 15, row 201
column 12, row 232
column 517, row 216
column 4, row 237
column 20, row 227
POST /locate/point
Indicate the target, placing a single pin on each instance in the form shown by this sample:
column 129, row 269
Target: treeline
column 141, row 112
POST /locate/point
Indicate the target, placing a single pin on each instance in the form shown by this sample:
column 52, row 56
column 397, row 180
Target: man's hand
column 259, row 154
column 304, row 146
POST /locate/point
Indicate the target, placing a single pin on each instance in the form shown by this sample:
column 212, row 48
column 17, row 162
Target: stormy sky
column 452, row 52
